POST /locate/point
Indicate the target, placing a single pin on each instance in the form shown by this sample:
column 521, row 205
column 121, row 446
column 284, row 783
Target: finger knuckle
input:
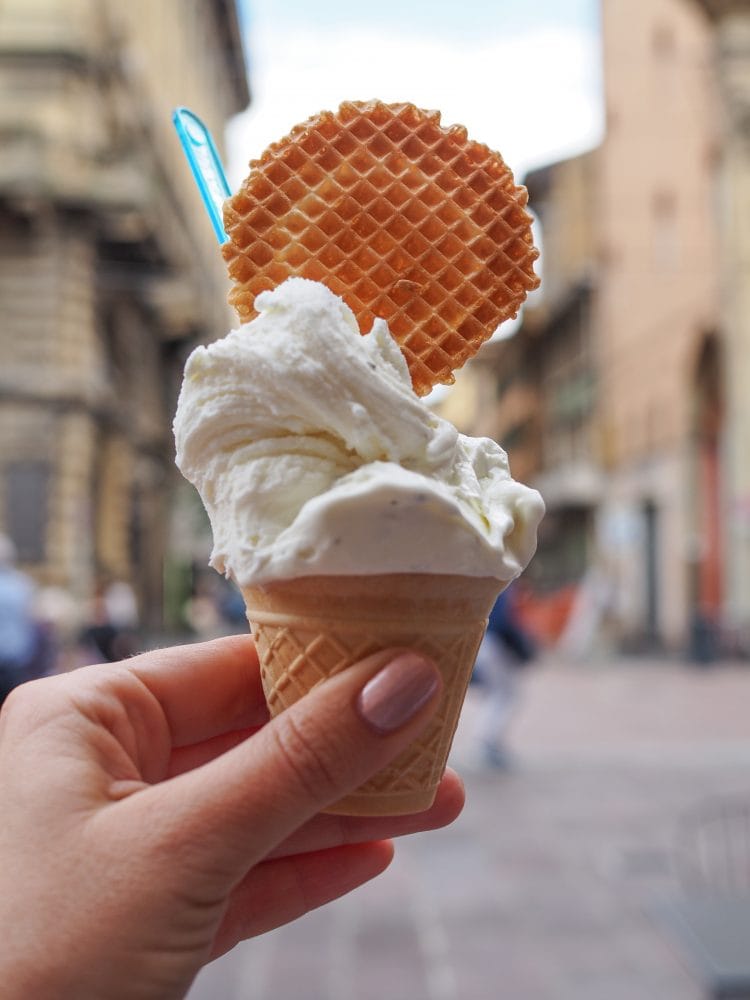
column 23, row 702
column 15, row 703
column 310, row 760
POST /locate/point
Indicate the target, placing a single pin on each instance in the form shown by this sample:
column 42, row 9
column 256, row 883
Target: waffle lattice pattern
column 405, row 219
column 295, row 658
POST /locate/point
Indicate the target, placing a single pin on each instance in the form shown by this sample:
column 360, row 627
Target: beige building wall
column 567, row 193
column 729, row 23
column 109, row 270
column 609, row 373
column 657, row 297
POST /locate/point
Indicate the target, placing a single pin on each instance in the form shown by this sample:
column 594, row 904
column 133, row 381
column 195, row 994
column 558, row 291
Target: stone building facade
column 558, row 343
column 108, row 270
column 625, row 345
column 657, row 314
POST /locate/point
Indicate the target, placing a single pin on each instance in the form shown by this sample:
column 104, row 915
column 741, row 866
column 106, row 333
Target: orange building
column 725, row 393
column 624, row 343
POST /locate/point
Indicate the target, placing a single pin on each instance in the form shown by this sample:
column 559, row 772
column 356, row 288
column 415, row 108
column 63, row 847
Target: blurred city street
column 619, row 389
column 548, row 885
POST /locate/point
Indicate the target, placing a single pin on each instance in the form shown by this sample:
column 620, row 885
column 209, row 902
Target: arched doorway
column 708, row 556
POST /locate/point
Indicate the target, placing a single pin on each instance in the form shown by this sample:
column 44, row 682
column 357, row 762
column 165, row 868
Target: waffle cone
column 405, row 219
column 309, row 628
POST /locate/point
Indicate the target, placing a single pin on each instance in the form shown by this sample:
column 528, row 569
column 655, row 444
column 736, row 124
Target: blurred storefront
column 108, row 271
column 625, row 348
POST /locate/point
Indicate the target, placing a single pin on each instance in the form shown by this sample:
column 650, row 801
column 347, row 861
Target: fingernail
column 393, row 696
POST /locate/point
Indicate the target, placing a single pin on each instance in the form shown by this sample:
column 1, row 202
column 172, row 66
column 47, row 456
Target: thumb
column 234, row 810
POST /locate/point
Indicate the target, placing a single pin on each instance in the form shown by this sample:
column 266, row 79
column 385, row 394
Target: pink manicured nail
column 393, row 696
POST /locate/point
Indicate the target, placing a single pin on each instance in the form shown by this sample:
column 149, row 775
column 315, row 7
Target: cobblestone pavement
column 547, row 885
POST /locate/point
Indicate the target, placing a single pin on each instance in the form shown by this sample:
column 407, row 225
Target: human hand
column 152, row 817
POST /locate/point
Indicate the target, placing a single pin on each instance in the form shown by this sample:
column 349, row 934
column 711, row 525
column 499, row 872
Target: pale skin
column 152, row 817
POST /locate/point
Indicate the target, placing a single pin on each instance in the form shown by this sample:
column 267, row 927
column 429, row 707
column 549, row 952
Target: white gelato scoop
column 314, row 456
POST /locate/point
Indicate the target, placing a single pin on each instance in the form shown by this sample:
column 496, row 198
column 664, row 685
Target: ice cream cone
column 309, row 628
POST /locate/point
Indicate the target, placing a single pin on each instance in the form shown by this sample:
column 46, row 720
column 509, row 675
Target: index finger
column 206, row 688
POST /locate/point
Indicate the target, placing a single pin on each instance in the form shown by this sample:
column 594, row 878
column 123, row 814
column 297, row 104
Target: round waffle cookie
column 403, row 218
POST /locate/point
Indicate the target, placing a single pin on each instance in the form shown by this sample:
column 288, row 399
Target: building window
column 26, row 502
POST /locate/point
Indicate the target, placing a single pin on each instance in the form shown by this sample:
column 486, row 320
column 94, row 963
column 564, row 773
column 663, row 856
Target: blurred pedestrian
column 231, row 605
column 20, row 639
column 205, row 610
column 58, row 616
column 505, row 649
column 110, row 634
column 121, row 605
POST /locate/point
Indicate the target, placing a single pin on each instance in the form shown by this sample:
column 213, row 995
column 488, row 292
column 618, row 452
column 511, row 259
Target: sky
column 522, row 75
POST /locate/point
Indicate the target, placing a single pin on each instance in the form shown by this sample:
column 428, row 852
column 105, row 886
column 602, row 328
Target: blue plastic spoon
column 205, row 165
